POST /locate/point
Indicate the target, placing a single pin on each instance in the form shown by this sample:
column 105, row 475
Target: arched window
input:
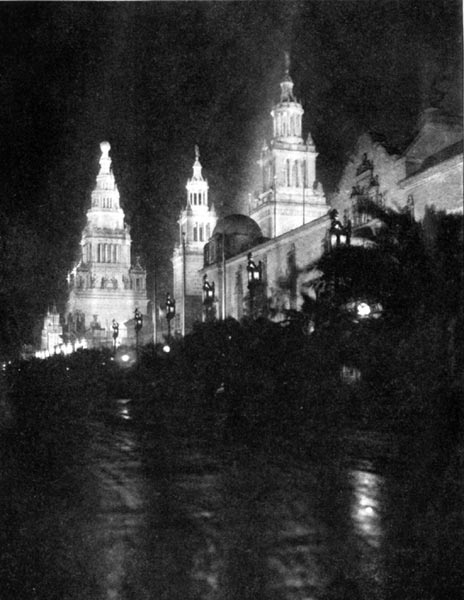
column 201, row 233
column 287, row 173
column 208, row 231
column 195, row 232
column 115, row 258
column 296, row 178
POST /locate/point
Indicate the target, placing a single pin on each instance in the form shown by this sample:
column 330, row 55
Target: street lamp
column 340, row 235
column 254, row 272
column 363, row 310
column 170, row 312
column 138, row 324
column 208, row 298
column 115, row 326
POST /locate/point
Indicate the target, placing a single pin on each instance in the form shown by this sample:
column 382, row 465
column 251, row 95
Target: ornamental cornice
column 105, row 231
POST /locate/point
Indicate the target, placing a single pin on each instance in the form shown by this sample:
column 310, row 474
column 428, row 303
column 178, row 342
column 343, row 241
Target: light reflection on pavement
column 130, row 512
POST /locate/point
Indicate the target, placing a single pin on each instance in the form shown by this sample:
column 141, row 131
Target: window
column 287, row 171
column 201, row 233
column 195, row 232
column 296, row 179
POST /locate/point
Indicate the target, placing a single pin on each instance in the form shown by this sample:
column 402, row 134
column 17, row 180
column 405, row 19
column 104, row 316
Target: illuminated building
column 286, row 229
column 196, row 224
column 104, row 284
column 428, row 173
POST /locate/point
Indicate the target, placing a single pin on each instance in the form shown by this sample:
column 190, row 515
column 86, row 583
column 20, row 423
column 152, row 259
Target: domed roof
column 237, row 224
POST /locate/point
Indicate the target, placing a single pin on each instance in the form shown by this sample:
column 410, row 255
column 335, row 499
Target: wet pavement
column 118, row 509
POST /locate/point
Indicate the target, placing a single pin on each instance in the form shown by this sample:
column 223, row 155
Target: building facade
column 427, row 174
column 196, row 224
column 290, row 195
column 286, row 232
column 105, row 288
column 285, row 265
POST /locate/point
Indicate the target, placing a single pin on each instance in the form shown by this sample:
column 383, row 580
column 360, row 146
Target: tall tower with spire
column 290, row 195
column 104, row 285
column 196, row 223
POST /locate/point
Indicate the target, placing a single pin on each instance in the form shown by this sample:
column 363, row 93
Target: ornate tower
column 290, row 194
column 196, row 223
column 103, row 284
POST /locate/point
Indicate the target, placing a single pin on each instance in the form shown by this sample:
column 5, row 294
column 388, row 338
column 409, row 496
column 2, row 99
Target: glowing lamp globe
column 363, row 310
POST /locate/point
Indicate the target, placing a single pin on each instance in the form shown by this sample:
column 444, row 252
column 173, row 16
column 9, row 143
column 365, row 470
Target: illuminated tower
column 103, row 284
column 196, row 223
column 290, row 194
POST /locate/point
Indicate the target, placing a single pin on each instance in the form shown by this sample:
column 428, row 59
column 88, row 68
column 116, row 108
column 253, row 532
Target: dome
column 231, row 236
column 237, row 224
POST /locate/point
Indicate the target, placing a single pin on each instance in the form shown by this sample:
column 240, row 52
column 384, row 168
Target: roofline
column 435, row 169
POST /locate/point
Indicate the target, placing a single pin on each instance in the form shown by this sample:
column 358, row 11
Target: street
column 117, row 509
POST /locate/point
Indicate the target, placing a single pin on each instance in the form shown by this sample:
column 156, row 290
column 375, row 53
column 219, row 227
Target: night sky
column 154, row 79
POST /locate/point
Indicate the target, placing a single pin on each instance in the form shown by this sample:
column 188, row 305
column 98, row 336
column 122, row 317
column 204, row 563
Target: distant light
column 166, row 348
column 125, row 414
column 367, row 511
column 363, row 310
column 350, row 374
column 125, row 358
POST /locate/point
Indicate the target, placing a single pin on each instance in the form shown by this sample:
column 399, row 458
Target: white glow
column 363, row 310
column 365, row 510
column 125, row 358
column 125, row 414
column 166, row 348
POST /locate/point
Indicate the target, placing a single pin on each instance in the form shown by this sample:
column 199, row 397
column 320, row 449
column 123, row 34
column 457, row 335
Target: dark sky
column 156, row 78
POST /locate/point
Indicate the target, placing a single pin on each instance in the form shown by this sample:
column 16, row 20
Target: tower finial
column 196, row 165
column 286, row 84
column 105, row 160
column 287, row 61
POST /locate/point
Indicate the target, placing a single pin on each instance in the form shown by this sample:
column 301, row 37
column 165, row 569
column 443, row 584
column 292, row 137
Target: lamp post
column 340, row 235
column 170, row 312
column 254, row 272
column 138, row 324
column 208, row 298
column 115, row 327
column 184, row 283
column 364, row 309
